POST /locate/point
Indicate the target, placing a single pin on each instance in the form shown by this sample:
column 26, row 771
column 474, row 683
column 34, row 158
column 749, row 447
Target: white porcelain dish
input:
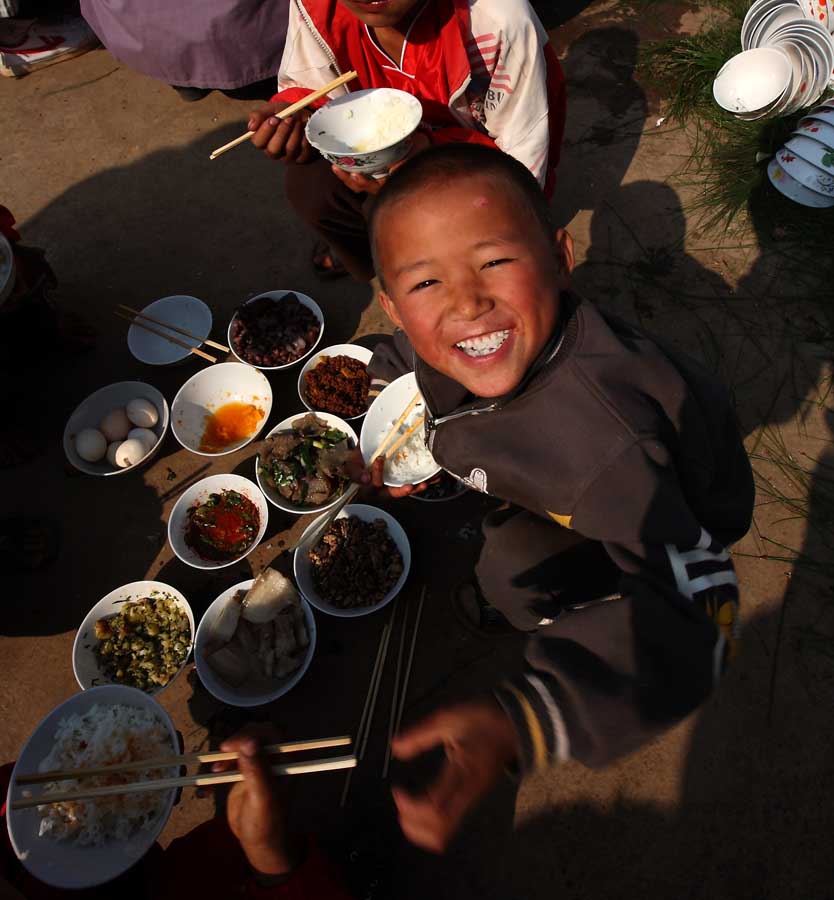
column 795, row 191
column 752, row 81
column 181, row 310
column 807, row 174
column 241, row 696
column 352, row 350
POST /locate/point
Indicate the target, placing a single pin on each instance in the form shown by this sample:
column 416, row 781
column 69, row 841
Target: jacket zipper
column 319, row 39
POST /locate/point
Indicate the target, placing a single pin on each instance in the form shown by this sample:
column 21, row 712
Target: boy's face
column 473, row 280
column 380, row 13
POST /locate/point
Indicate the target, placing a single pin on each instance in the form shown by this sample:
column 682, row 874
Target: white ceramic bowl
column 278, row 296
column 63, row 864
column 302, row 567
column 383, row 412
column 269, row 491
column 188, row 313
column 198, row 493
column 7, row 269
column 240, row 696
column 85, row 664
column 91, row 411
column 352, row 350
column 757, row 11
column 819, row 125
column 752, row 80
column 208, row 390
column 807, row 174
column 793, row 190
column 346, row 131
column 814, row 152
column 772, row 20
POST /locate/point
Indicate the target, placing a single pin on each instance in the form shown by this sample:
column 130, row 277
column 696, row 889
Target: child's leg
column 333, row 211
column 530, row 568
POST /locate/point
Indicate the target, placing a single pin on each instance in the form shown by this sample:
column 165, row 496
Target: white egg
column 111, row 452
column 142, row 413
column 145, row 435
column 130, row 452
column 90, row 444
column 115, row 425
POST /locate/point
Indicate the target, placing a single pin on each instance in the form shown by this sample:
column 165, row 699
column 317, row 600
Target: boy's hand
column 362, row 184
column 480, row 743
column 256, row 815
column 281, row 138
column 374, row 476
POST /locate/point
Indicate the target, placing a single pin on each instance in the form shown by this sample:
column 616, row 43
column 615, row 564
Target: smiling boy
column 620, row 461
column 483, row 71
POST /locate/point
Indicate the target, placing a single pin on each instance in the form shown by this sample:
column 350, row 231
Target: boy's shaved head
column 454, row 162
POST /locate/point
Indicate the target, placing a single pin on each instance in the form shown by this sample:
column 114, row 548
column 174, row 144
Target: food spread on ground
column 307, row 464
column 103, row 736
column 223, row 527
column 356, row 563
column 260, row 635
column 123, row 436
column 145, row 644
column 229, row 425
column 338, row 385
column 267, row 332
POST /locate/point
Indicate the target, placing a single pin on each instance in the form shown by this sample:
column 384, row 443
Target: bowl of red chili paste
column 218, row 521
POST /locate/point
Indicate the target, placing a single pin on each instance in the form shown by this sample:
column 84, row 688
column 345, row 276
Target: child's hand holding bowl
column 281, row 138
column 363, row 184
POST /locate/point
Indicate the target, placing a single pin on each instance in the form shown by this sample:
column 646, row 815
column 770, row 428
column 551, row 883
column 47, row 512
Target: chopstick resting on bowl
column 167, row 762
column 164, row 784
column 188, row 334
column 392, row 432
column 167, row 337
column 294, row 108
column 331, row 514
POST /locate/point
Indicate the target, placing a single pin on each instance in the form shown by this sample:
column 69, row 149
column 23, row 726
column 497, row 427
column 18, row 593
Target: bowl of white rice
column 411, row 462
column 366, row 131
column 80, row 844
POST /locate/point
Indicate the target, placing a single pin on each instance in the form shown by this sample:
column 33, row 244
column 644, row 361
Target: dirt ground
column 109, row 172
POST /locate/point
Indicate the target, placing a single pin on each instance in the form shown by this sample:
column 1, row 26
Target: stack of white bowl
column 803, row 169
column 786, row 63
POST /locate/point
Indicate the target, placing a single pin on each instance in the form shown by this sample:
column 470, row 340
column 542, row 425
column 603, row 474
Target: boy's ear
column 390, row 310
column 564, row 251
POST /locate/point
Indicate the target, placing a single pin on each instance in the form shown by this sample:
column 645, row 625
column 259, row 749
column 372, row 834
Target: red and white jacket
column 483, row 70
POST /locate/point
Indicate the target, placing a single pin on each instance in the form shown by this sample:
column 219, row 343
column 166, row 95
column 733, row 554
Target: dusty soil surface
column 109, row 172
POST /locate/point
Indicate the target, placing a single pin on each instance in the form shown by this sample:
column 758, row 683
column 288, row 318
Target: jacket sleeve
column 605, row 677
column 392, row 357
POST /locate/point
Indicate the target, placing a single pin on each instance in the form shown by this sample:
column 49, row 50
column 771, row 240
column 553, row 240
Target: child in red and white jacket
column 483, row 71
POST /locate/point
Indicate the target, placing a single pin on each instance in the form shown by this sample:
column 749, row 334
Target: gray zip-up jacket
column 636, row 447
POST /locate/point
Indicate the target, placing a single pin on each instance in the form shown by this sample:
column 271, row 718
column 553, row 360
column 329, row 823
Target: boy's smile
column 472, row 279
column 380, row 13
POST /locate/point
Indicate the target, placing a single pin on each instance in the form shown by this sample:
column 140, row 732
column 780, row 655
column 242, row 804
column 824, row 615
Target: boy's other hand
column 281, row 138
column 362, row 184
column 480, row 743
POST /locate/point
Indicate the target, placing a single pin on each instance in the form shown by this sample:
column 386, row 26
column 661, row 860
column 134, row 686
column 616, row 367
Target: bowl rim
column 183, row 354
column 771, row 51
column 774, row 162
column 313, row 361
column 310, row 304
column 202, row 664
column 397, row 534
column 88, row 468
column 202, row 374
column 211, row 565
column 267, row 491
column 344, row 100
column 139, row 587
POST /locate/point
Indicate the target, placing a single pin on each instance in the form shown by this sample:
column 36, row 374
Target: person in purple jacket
column 619, row 460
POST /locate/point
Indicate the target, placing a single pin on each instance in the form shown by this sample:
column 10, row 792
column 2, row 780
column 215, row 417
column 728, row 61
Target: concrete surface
column 109, row 171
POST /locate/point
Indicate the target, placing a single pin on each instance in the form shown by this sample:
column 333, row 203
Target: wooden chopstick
column 395, row 692
column 392, row 432
column 170, row 327
column 166, row 762
column 164, row 784
column 294, row 108
column 331, row 514
column 392, row 450
column 168, row 337
column 404, row 688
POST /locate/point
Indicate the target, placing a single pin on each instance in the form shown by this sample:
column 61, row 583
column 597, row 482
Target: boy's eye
column 424, row 284
column 495, row 262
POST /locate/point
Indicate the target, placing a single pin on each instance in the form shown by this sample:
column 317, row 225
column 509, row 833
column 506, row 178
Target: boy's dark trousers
column 334, row 212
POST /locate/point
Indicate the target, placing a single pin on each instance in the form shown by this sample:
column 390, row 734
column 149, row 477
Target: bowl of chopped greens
column 139, row 635
column 301, row 466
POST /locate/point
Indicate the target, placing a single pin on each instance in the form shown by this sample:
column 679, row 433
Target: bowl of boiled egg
column 116, row 429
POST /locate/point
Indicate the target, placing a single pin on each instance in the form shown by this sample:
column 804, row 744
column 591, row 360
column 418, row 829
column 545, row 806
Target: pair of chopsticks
column 140, row 320
column 199, row 780
column 394, row 430
column 294, row 108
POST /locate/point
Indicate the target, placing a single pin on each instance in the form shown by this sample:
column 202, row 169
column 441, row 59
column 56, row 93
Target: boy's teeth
column 484, row 344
